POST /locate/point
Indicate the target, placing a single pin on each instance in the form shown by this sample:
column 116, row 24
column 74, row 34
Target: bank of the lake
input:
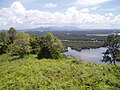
column 88, row 55
column 80, row 45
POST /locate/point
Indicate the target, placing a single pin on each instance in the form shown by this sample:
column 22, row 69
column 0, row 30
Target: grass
column 47, row 74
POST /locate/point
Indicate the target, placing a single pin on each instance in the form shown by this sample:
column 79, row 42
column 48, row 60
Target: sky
column 84, row 14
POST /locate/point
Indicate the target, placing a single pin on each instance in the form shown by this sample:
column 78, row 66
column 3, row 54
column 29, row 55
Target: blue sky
column 94, row 14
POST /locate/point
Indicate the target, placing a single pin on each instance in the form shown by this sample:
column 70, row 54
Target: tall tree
column 51, row 47
column 12, row 34
column 34, row 43
column 21, row 45
column 4, row 37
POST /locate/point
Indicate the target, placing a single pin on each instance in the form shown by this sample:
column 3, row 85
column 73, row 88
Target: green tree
column 4, row 37
column 51, row 47
column 21, row 45
column 113, row 40
column 113, row 43
column 34, row 43
column 12, row 34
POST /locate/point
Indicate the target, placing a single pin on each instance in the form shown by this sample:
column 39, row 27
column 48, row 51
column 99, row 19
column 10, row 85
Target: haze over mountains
column 71, row 28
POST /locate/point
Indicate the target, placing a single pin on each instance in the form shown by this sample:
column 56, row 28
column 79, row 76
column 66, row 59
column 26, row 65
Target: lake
column 88, row 55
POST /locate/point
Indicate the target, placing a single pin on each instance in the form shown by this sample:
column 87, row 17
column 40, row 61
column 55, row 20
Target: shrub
column 51, row 47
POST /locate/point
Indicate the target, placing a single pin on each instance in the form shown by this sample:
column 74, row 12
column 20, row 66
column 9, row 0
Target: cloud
column 94, row 7
column 90, row 2
column 109, row 14
column 111, row 9
column 85, row 10
column 18, row 16
column 28, row 1
column 50, row 5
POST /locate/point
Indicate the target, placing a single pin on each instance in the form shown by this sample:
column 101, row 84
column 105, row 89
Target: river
column 88, row 55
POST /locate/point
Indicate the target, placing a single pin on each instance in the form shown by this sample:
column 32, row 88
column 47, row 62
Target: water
column 88, row 55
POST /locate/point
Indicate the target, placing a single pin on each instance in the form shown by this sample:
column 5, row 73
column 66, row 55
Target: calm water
column 88, row 55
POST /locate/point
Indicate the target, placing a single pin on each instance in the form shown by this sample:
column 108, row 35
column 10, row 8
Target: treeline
column 22, row 44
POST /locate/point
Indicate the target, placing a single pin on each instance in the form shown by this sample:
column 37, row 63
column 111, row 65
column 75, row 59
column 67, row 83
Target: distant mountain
column 54, row 28
column 71, row 28
column 68, row 28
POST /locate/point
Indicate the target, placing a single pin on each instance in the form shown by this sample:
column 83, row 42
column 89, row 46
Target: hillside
column 32, row 74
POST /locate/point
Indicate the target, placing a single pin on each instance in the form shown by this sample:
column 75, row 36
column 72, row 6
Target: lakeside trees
column 113, row 43
column 22, row 44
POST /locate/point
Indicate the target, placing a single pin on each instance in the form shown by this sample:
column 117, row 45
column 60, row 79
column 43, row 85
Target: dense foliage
column 51, row 47
column 79, row 45
column 112, row 53
column 48, row 74
column 113, row 40
column 22, row 44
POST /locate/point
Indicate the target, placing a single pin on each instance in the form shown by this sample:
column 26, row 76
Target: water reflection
column 88, row 55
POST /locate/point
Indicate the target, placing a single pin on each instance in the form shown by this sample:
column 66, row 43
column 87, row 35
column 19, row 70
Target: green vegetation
column 47, row 74
column 76, row 39
column 22, row 44
column 78, row 45
column 32, row 72
column 113, row 43
column 51, row 47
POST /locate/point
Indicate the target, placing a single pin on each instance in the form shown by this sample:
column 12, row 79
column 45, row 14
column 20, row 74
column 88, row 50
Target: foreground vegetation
column 47, row 74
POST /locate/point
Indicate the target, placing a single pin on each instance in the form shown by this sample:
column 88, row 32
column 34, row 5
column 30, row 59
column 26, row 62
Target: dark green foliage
column 51, row 47
column 78, row 45
column 12, row 35
column 113, row 43
column 4, row 37
column 113, row 40
column 44, row 53
column 34, row 43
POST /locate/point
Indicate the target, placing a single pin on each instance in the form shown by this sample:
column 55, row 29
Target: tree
column 21, row 45
column 113, row 40
column 51, row 47
column 4, row 37
column 34, row 43
column 12, row 34
column 113, row 43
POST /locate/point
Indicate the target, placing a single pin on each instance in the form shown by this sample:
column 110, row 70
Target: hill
column 32, row 74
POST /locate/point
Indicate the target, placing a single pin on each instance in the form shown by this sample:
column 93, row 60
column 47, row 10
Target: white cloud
column 16, row 15
column 85, row 10
column 50, row 5
column 90, row 2
column 94, row 7
column 28, row 1
column 17, row 7
column 109, row 14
